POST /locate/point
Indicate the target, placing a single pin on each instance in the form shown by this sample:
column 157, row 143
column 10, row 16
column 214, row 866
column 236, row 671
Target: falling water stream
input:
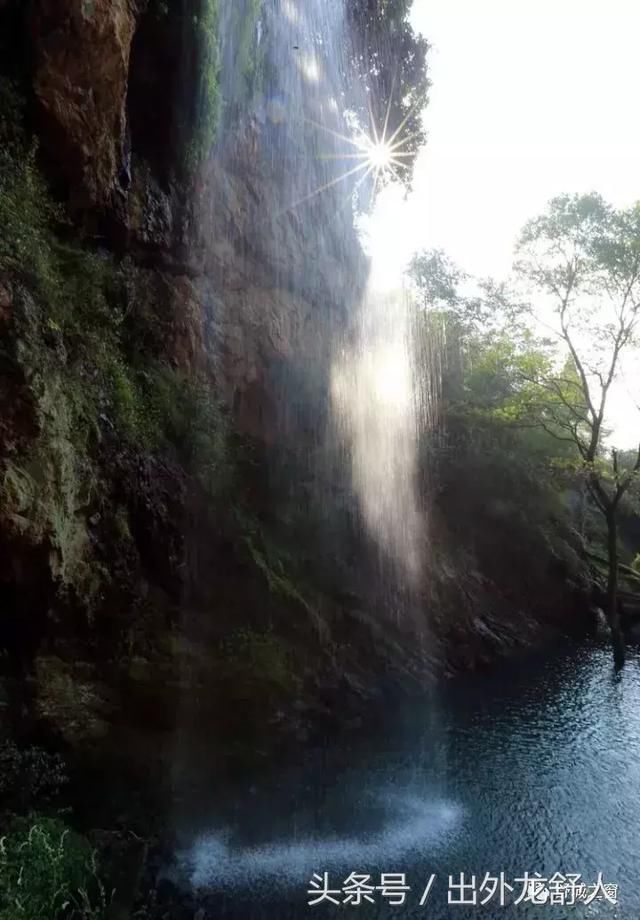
column 532, row 774
column 374, row 398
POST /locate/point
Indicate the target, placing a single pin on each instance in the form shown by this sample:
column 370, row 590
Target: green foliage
column 495, row 462
column 201, row 131
column 67, row 325
column 183, row 411
column 391, row 61
column 161, row 408
column 437, row 280
column 528, row 414
column 25, row 207
column 76, row 333
column 73, row 282
column 25, row 214
column 48, row 872
column 584, row 256
column 46, row 489
column 70, row 342
column 126, row 400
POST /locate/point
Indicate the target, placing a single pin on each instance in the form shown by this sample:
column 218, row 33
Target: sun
column 378, row 153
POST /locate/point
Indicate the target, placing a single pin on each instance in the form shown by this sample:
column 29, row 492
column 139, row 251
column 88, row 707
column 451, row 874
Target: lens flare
column 375, row 154
column 379, row 154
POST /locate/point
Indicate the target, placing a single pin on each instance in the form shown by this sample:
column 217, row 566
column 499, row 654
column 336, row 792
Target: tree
column 583, row 257
column 479, row 332
column 391, row 61
column 497, row 485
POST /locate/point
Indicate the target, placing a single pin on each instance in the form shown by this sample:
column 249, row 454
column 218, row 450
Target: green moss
column 202, row 131
column 249, row 58
column 258, row 658
column 70, row 344
column 161, row 409
column 269, row 560
column 125, row 398
column 197, row 428
column 46, row 493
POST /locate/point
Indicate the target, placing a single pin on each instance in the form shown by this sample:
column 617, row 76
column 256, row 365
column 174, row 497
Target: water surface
column 533, row 769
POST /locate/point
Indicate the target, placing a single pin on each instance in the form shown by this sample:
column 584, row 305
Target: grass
column 47, row 872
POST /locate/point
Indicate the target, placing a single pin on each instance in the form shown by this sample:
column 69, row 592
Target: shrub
column 47, row 871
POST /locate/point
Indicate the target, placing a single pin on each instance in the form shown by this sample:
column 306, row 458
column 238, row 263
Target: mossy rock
column 77, row 707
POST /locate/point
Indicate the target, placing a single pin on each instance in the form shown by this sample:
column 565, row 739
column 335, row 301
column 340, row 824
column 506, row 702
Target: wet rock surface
column 121, row 576
column 81, row 53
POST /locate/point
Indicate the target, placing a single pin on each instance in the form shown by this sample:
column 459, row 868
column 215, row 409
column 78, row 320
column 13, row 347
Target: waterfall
column 316, row 351
column 356, row 354
column 313, row 349
column 374, row 398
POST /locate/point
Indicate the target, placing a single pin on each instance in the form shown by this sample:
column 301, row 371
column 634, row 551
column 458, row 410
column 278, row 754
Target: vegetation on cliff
column 78, row 346
column 204, row 43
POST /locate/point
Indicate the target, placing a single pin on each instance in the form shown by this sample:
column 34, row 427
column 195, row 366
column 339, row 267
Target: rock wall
column 81, row 55
column 172, row 526
column 146, row 407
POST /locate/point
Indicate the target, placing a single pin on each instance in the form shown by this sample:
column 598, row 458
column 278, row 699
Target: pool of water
column 533, row 769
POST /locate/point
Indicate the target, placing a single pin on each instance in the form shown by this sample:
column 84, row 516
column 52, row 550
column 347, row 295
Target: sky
column 530, row 98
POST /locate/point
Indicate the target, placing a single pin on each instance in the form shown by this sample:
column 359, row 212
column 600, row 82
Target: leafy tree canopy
column 392, row 65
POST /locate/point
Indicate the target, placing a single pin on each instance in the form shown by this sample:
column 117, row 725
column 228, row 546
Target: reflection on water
column 414, row 823
column 535, row 769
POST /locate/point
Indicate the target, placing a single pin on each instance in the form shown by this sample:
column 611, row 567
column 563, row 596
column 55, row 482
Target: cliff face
column 229, row 240
column 172, row 524
column 158, row 324
column 81, row 58
column 280, row 278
